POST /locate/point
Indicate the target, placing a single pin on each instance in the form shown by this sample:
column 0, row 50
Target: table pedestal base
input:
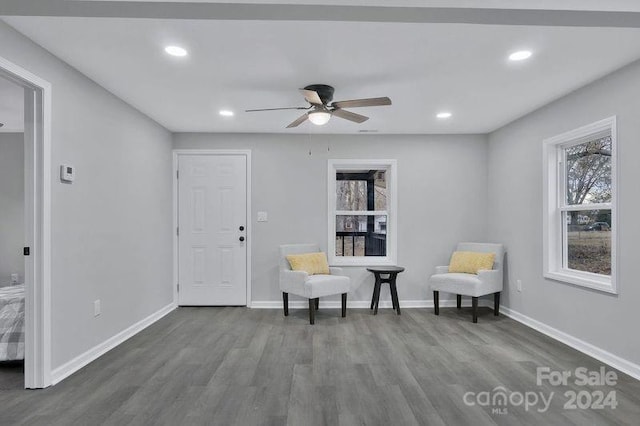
column 391, row 280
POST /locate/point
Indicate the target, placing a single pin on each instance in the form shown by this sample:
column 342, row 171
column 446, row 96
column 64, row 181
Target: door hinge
column 177, row 174
column 178, row 287
column 178, row 231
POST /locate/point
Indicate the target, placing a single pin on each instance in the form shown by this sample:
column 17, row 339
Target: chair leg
column 436, row 302
column 285, row 303
column 474, row 302
column 312, row 310
column 344, row 305
column 496, row 303
column 317, row 303
column 459, row 301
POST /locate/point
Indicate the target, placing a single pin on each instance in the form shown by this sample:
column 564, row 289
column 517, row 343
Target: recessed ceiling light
column 443, row 114
column 175, row 51
column 226, row 113
column 520, row 55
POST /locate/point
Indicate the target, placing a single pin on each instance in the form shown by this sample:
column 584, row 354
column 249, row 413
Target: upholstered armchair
column 474, row 285
column 311, row 287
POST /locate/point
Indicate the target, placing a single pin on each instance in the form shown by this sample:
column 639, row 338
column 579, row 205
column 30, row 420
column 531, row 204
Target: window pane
column 588, row 171
column 361, row 235
column 349, row 245
column 381, row 190
column 352, row 190
column 589, row 241
column 351, row 223
column 351, row 195
column 380, row 224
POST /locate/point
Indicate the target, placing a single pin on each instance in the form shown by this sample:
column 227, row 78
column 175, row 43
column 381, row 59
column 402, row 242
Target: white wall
column 111, row 236
column 442, row 183
column 11, row 206
column 515, row 215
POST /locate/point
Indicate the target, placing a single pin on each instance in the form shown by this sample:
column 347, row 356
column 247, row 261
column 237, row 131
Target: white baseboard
column 363, row 304
column 67, row 369
column 608, row 358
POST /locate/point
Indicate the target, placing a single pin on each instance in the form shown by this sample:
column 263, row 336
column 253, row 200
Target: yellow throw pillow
column 311, row 263
column 469, row 262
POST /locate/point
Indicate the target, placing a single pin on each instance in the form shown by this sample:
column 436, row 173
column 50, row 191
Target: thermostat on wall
column 67, row 173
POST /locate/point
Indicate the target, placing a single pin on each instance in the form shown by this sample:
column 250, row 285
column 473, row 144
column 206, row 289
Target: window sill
column 592, row 281
column 361, row 261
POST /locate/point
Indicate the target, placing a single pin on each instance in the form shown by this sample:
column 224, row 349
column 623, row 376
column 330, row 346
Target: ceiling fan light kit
column 319, row 97
column 319, row 118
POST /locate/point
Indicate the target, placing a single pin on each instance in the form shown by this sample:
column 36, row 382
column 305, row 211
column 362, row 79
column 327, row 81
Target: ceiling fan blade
column 298, row 121
column 311, row 96
column 348, row 115
column 274, row 109
column 355, row 103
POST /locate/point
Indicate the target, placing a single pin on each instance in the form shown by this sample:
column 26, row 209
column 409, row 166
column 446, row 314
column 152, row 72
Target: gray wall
column 442, row 183
column 515, row 214
column 111, row 235
column 11, row 206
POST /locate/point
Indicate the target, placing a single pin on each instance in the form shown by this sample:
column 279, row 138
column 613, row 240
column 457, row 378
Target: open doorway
column 26, row 151
column 12, row 235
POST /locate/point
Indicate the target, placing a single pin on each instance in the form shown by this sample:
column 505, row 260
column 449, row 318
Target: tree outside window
column 588, row 171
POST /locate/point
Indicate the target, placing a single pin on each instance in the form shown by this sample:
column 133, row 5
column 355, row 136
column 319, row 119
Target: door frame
column 217, row 152
column 37, row 185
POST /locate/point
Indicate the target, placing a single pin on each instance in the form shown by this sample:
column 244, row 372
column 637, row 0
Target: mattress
column 12, row 323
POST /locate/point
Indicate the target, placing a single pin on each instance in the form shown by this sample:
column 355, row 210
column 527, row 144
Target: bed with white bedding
column 12, row 323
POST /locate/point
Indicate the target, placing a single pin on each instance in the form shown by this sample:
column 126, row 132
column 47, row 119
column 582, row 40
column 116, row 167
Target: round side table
column 391, row 272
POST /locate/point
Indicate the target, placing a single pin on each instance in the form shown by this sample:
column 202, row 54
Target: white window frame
column 390, row 166
column 553, row 208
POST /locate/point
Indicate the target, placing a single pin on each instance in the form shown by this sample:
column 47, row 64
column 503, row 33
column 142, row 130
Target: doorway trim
column 176, row 154
column 37, row 364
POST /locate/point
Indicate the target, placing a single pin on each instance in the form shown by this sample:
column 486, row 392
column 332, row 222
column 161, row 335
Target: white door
column 212, row 223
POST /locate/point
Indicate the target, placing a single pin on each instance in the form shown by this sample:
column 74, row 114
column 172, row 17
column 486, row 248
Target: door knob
column 241, row 238
column 242, row 228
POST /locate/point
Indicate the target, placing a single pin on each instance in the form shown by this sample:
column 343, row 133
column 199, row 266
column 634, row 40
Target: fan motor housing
column 323, row 90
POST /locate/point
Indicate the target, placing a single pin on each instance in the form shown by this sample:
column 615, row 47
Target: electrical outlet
column 262, row 216
column 14, row 278
column 96, row 308
column 519, row 285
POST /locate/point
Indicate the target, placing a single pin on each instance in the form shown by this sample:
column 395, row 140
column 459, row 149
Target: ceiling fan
column 319, row 97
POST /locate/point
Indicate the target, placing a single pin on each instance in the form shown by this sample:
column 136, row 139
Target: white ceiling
column 11, row 106
column 423, row 67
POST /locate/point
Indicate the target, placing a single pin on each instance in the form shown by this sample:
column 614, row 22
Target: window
column 580, row 206
column 362, row 212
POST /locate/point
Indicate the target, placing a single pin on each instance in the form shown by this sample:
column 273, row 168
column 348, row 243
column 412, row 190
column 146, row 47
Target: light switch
column 262, row 216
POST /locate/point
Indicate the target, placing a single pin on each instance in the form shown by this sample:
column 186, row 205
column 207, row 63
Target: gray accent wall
column 515, row 215
column 11, row 206
column 111, row 228
column 442, row 199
